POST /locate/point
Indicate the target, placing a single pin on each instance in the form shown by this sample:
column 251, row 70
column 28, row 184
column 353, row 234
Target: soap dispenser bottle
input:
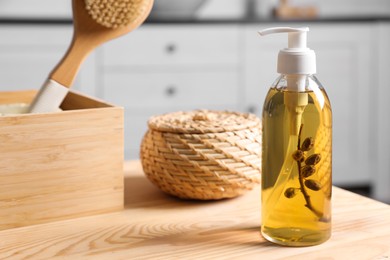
column 297, row 149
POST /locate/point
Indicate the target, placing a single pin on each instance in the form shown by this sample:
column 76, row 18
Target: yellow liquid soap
column 296, row 171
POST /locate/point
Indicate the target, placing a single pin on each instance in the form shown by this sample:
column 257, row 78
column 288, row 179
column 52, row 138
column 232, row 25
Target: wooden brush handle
column 66, row 70
column 88, row 34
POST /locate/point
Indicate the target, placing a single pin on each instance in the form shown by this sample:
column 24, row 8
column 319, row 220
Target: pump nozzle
column 296, row 62
column 297, row 37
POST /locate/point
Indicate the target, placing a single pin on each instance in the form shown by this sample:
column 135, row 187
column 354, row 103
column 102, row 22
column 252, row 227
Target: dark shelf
column 249, row 20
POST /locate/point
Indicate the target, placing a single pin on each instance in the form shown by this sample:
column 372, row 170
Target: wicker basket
column 203, row 154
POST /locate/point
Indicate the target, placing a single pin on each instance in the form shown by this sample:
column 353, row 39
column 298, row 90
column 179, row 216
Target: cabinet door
column 165, row 68
column 382, row 172
column 345, row 68
column 171, row 89
column 28, row 53
column 175, row 45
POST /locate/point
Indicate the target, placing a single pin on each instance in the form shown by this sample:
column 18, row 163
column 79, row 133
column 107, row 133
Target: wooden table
column 156, row 226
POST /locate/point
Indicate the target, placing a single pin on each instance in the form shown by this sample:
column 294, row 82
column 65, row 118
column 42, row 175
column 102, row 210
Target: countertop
column 244, row 20
column 156, row 226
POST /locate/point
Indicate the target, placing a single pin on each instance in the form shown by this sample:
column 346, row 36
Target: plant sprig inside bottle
column 306, row 169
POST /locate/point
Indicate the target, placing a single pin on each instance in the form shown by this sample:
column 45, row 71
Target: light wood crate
column 60, row 165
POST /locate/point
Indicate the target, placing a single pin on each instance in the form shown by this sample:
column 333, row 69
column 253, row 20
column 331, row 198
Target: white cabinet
column 172, row 45
column 28, row 53
column 345, row 66
column 162, row 68
column 382, row 129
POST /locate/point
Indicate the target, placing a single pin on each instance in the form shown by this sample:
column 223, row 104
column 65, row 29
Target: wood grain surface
column 60, row 165
column 157, row 226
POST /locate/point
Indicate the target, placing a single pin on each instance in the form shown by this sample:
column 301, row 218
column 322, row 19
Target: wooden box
column 60, row 165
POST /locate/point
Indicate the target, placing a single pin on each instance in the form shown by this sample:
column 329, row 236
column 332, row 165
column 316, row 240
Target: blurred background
column 206, row 54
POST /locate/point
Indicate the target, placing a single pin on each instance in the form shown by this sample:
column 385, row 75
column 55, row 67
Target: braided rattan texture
column 204, row 155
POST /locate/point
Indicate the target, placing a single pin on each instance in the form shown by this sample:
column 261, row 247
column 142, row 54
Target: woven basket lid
column 203, row 121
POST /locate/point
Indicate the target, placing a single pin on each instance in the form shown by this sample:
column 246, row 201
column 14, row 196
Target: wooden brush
column 94, row 22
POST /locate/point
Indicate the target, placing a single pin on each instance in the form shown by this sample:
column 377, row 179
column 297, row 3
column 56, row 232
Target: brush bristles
column 115, row 13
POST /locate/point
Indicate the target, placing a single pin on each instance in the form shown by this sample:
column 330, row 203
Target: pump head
column 296, row 58
column 296, row 62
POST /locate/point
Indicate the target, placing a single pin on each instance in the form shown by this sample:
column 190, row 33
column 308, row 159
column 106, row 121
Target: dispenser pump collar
column 296, row 58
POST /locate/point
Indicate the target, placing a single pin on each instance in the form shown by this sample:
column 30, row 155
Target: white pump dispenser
column 296, row 62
